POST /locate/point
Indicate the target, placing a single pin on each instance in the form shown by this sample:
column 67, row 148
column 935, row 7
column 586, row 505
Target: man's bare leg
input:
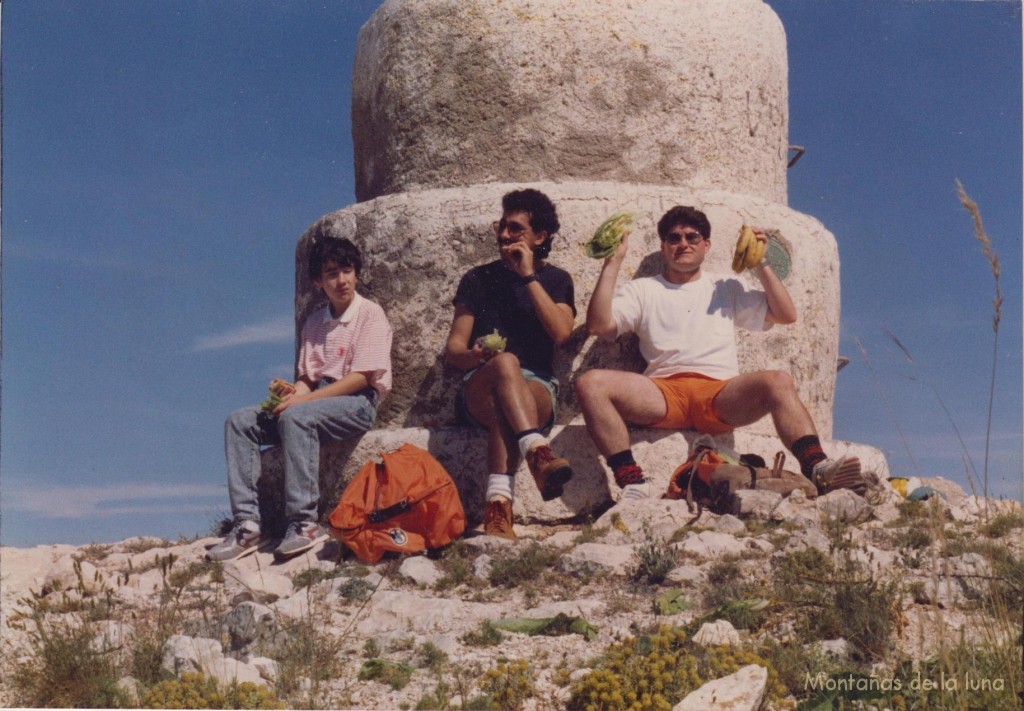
column 609, row 399
column 513, row 409
column 749, row 397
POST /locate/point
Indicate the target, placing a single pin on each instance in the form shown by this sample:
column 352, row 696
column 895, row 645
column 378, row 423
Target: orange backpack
column 406, row 503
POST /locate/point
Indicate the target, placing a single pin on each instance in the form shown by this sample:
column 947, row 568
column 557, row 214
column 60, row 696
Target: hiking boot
column 498, row 519
column 842, row 473
column 300, row 537
column 244, row 538
column 635, row 492
column 550, row 472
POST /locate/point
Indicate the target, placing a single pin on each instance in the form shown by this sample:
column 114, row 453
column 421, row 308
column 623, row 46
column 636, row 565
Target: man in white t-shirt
column 685, row 320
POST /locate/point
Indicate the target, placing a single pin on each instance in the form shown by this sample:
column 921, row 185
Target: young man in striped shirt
column 344, row 369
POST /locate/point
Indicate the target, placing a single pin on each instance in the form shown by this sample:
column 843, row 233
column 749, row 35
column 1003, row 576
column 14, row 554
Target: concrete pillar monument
column 603, row 105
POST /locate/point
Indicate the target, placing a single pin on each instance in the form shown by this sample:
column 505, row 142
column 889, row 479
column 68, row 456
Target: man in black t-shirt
column 512, row 393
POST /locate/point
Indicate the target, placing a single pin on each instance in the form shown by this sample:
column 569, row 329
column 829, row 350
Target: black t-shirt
column 499, row 300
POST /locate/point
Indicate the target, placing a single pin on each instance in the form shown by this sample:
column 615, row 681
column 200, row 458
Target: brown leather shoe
column 550, row 472
column 498, row 519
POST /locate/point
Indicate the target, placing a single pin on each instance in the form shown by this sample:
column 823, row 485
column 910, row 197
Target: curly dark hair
column 340, row 250
column 686, row 217
column 543, row 217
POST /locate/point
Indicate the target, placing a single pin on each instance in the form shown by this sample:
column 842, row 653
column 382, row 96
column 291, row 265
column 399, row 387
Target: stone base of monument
column 462, row 452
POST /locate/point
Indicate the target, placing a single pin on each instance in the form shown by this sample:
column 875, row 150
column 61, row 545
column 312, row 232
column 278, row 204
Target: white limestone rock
column 754, row 503
column 845, row 506
column 598, row 557
column 712, row 544
column 729, row 524
column 717, row 633
column 249, row 623
column 741, row 691
column 420, row 569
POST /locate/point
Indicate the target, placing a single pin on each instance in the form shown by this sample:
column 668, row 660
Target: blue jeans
column 300, row 430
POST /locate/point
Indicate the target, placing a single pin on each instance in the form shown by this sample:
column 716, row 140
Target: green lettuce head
column 609, row 235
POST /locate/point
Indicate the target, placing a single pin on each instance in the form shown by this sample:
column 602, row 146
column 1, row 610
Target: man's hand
column 480, row 353
column 620, row 252
column 291, row 399
column 519, row 258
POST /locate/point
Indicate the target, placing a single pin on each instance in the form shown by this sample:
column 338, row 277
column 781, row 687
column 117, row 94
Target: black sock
column 808, row 452
column 620, row 459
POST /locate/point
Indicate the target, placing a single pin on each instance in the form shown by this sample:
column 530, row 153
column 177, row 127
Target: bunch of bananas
column 749, row 250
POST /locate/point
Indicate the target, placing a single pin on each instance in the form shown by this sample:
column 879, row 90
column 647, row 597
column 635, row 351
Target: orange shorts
column 689, row 398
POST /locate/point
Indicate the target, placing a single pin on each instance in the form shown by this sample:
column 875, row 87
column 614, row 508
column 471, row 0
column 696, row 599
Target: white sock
column 528, row 442
column 500, row 485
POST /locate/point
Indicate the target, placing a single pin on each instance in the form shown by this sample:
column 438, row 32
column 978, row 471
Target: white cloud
column 277, row 330
column 76, row 502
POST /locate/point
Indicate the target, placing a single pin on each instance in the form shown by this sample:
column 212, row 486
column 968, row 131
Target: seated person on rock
column 344, row 368
column 685, row 320
column 512, row 392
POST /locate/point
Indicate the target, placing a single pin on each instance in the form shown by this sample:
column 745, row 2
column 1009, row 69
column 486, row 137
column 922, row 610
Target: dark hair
column 337, row 249
column 541, row 210
column 686, row 217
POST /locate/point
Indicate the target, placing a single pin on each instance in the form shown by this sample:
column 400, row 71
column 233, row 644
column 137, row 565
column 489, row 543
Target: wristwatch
column 529, row 278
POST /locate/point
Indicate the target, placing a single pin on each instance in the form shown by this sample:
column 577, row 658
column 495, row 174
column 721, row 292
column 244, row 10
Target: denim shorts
column 463, row 415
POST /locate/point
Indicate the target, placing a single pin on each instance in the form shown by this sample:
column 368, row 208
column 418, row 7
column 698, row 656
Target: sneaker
column 550, row 472
column 300, row 537
column 498, row 518
column 843, row 473
column 635, row 492
column 244, row 538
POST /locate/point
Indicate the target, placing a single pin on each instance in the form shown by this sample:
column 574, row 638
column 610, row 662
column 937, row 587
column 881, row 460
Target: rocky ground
column 756, row 628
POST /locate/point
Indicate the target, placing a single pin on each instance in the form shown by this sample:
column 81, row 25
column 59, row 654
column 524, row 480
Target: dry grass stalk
column 997, row 305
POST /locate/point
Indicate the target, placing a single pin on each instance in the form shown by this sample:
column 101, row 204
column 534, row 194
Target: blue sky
column 160, row 159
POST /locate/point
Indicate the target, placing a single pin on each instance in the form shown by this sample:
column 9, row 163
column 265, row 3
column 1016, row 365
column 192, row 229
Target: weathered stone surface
column 249, row 623
column 420, row 569
column 196, row 654
column 417, row 245
column 717, row 633
column 729, row 524
column 845, row 506
column 607, row 89
column 742, row 691
column 757, row 504
column 712, row 544
column 598, row 557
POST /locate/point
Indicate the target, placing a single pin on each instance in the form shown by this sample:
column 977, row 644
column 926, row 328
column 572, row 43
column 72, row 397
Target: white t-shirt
column 689, row 328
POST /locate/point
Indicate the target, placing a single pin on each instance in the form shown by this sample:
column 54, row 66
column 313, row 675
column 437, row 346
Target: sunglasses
column 692, row 238
column 514, row 228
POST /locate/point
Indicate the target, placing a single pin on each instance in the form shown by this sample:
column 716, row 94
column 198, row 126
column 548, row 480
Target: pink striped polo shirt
column 358, row 341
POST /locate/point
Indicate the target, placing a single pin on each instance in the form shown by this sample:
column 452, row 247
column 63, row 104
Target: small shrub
column 431, row 657
column 356, row 589
column 1001, row 524
column 648, row 672
column 655, row 558
column 509, row 684
column 529, row 564
column 66, row 671
column 487, row 636
column 457, row 565
column 371, row 648
column 394, row 674
column 311, row 576
column 729, row 591
column 838, row 601
column 195, row 691
column 590, row 533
